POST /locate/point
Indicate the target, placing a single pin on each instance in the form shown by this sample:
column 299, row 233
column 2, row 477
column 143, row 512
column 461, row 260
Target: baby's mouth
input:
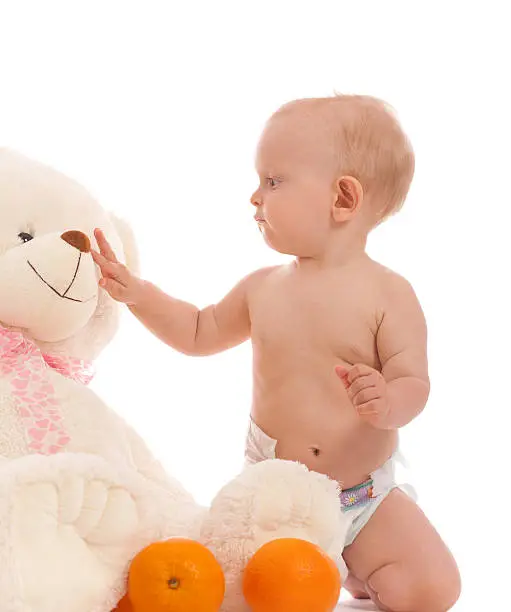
column 63, row 295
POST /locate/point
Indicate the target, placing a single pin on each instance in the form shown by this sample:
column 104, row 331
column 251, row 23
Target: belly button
column 315, row 451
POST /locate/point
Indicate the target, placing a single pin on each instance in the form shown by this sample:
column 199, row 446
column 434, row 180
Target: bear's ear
column 129, row 244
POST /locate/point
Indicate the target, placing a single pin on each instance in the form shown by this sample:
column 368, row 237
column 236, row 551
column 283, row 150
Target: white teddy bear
column 80, row 494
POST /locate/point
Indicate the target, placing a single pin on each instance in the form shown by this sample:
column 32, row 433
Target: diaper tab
column 357, row 496
column 259, row 446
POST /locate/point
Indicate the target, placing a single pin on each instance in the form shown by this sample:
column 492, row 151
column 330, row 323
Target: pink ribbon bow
column 26, row 368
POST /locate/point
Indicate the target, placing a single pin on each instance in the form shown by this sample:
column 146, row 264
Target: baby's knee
column 404, row 588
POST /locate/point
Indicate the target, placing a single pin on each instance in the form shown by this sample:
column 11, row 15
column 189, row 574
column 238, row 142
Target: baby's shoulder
column 256, row 279
column 393, row 287
column 261, row 274
column 386, row 277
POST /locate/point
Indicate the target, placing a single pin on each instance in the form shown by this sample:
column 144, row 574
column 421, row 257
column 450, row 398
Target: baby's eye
column 271, row 182
column 25, row 237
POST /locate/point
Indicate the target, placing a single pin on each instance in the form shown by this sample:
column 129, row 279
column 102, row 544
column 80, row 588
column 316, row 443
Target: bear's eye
column 25, row 237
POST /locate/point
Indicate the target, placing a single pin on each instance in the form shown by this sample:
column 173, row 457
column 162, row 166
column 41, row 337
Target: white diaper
column 258, row 446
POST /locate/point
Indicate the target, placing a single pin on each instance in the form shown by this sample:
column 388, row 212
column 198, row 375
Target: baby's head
column 329, row 166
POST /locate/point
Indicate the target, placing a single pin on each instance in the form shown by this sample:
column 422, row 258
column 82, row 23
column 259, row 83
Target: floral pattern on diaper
column 355, row 496
column 25, row 366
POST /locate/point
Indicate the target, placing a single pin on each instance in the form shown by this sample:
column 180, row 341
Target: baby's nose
column 255, row 199
column 78, row 240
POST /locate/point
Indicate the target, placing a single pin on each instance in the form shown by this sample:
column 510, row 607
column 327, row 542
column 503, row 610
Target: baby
column 339, row 341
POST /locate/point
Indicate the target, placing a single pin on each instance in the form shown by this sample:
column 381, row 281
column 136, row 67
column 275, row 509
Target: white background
column 157, row 107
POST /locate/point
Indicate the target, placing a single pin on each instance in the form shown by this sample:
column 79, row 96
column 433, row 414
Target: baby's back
column 304, row 323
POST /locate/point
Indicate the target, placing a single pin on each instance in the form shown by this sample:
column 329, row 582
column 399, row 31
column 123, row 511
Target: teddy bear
column 80, row 492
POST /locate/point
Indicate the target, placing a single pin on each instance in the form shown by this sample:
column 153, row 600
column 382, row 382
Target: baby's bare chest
column 316, row 318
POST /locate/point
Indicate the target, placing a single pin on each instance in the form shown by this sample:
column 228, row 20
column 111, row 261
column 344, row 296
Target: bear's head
column 48, row 280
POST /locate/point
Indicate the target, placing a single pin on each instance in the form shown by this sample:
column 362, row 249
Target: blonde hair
column 368, row 144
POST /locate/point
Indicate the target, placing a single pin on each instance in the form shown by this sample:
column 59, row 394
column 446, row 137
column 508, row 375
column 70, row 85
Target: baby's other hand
column 117, row 280
column 367, row 390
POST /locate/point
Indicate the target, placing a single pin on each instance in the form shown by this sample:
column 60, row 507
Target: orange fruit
column 291, row 574
column 124, row 605
column 179, row 575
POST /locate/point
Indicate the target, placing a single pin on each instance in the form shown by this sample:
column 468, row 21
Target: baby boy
column 339, row 341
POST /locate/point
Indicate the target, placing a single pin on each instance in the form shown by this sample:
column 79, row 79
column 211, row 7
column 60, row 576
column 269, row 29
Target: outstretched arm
column 179, row 324
column 193, row 331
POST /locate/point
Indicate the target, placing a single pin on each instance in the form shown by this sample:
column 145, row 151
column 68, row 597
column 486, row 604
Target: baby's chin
column 272, row 241
column 283, row 248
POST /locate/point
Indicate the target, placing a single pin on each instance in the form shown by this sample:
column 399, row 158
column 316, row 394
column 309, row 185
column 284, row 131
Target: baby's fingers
column 111, row 269
column 104, row 246
column 367, row 408
column 342, row 373
column 364, row 382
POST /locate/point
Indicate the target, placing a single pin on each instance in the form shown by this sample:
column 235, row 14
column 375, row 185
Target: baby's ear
column 129, row 244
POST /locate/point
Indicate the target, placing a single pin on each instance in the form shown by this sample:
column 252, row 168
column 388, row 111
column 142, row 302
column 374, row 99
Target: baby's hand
column 117, row 280
column 367, row 391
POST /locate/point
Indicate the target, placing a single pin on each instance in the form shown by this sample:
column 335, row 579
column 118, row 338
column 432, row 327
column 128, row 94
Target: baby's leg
column 356, row 588
column 402, row 561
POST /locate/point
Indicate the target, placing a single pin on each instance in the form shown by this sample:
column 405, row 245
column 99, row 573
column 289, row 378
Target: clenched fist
column 367, row 390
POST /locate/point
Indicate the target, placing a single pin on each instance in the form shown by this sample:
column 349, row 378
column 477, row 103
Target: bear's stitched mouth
column 63, row 295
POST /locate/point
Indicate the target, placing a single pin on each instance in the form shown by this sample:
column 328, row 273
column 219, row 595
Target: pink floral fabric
column 26, row 367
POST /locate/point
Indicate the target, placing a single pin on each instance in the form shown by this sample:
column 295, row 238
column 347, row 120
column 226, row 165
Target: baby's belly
column 315, row 423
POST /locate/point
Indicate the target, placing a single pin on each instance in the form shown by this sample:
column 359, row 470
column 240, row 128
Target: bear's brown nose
column 78, row 240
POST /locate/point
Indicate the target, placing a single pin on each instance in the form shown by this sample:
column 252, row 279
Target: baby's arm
column 402, row 348
column 193, row 331
column 179, row 324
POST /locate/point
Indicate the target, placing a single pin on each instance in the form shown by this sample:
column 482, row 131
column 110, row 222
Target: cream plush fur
column 71, row 522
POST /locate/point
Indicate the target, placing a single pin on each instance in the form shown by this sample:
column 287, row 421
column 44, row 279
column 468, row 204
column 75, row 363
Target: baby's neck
column 339, row 253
